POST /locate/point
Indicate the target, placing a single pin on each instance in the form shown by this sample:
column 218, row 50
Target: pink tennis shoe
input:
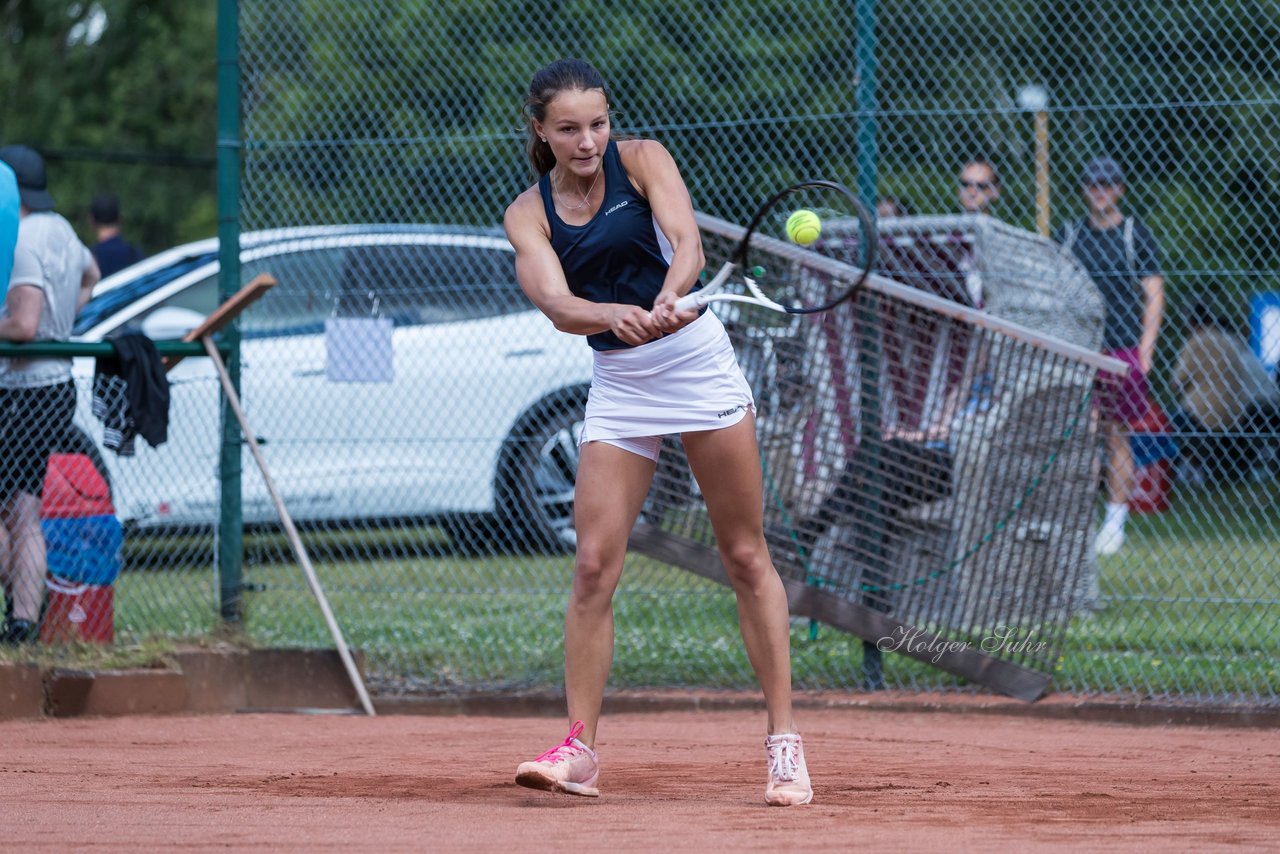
column 571, row 768
column 788, row 784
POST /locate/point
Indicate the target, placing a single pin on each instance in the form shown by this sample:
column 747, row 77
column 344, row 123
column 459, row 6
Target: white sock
column 1116, row 516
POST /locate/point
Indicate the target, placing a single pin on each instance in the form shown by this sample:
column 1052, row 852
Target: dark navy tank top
column 620, row 255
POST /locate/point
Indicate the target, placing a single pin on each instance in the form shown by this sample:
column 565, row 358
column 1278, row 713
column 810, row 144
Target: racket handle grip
column 691, row 302
column 696, row 300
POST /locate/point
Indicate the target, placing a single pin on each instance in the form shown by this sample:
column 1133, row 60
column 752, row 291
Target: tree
column 118, row 95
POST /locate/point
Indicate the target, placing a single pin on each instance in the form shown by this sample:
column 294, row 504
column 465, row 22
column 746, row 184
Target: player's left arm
column 656, row 175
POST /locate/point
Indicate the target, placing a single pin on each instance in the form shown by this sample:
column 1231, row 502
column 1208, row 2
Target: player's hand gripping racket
column 779, row 260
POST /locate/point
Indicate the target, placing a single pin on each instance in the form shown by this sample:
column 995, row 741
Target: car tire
column 537, row 469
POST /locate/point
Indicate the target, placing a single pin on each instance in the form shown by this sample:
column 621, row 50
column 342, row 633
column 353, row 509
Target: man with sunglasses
column 979, row 186
column 1122, row 258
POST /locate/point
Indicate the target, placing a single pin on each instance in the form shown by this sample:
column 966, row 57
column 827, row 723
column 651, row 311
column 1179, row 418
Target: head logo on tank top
column 620, row 255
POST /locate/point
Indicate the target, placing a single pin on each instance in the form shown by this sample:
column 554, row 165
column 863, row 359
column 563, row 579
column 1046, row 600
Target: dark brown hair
column 563, row 75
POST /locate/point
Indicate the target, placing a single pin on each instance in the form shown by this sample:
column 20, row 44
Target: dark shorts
column 34, row 423
column 1123, row 399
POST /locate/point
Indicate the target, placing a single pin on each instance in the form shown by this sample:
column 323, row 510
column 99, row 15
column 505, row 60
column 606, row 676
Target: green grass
column 1191, row 605
column 151, row 652
column 1188, row 612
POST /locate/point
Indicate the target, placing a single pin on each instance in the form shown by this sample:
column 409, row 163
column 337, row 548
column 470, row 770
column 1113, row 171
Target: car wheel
column 537, row 471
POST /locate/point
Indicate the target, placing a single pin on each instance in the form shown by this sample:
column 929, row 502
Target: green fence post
column 868, row 148
column 868, row 349
column 230, row 522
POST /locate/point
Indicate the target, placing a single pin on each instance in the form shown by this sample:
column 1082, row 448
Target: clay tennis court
column 687, row 781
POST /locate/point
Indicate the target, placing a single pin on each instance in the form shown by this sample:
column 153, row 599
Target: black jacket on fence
column 131, row 394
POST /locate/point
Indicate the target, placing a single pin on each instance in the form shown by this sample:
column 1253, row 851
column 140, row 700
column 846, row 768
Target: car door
column 281, row 338
column 457, row 311
column 302, row 423
column 396, row 442
column 174, row 483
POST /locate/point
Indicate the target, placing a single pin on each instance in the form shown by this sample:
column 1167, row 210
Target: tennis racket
column 784, row 260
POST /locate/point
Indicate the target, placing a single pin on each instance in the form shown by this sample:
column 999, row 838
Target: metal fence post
column 230, row 523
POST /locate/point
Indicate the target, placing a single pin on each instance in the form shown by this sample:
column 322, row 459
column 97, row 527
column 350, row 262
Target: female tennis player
column 606, row 243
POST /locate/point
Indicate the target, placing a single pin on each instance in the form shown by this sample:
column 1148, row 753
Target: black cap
column 33, row 182
column 1102, row 170
column 105, row 209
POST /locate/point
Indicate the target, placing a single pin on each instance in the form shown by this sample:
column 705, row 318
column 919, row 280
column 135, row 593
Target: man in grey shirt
column 53, row 277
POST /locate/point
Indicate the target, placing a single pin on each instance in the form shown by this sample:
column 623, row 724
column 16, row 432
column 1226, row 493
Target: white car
column 470, row 415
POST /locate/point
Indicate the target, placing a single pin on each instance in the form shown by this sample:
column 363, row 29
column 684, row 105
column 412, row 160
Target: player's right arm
column 542, row 279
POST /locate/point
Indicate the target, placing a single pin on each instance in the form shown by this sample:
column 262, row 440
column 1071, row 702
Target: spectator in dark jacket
column 112, row 251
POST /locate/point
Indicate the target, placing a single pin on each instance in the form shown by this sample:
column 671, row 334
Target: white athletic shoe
column 1110, row 541
column 571, row 768
column 788, row 784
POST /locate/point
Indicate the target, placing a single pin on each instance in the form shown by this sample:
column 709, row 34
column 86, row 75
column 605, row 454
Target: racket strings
column 788, row 272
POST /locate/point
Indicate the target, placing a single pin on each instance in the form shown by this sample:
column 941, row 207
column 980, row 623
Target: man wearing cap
column 1123, row 260
column 53, row 277
column 112, row 251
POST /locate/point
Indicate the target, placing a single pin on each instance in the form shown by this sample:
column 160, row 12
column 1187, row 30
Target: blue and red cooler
column 84, row 540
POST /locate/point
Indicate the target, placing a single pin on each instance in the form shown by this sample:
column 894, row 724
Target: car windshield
column 411, row 283
column 104, row 306
column 430, row 283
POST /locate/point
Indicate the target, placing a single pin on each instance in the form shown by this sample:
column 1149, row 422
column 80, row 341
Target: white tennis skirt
column 686, row 381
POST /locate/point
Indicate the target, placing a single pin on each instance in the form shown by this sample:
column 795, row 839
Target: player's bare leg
column 611, row 488
column 1120, row 465
column 727, row 465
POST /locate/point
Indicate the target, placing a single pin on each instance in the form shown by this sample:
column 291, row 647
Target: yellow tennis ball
column 804, row 227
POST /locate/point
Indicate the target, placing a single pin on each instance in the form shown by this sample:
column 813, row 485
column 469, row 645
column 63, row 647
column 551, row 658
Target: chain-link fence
column 420, row 417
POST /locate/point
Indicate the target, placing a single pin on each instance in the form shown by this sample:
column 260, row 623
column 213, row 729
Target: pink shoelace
column 567, row 750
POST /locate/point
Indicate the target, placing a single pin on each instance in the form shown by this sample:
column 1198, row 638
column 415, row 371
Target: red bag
column 74, row 489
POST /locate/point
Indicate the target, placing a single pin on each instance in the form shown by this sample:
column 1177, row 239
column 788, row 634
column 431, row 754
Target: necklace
column 586, row 197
